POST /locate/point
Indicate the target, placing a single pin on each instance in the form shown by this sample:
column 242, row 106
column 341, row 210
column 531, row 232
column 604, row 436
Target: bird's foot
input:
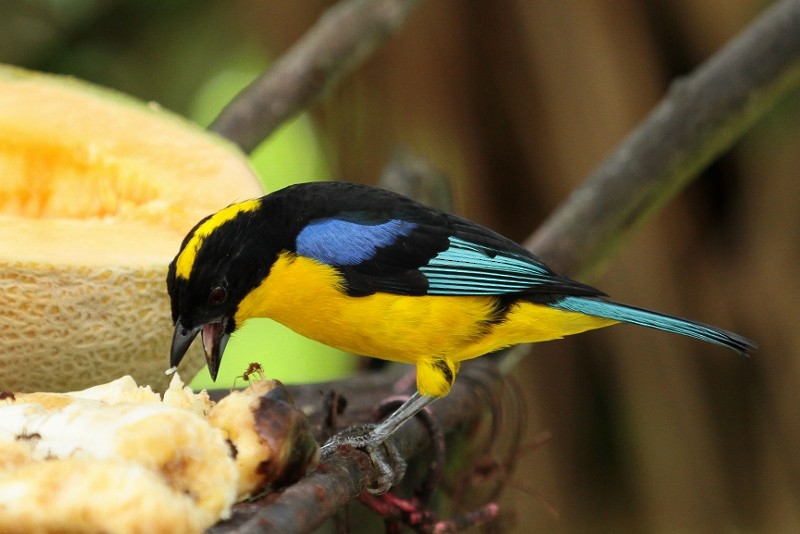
column 389, row 464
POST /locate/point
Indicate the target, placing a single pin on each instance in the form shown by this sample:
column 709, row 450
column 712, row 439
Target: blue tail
column 667, row 323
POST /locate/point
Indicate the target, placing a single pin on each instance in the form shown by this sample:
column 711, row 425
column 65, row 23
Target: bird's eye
column 217, row 295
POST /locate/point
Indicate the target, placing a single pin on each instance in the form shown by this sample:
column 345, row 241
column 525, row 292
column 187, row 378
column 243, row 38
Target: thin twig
column 414, row 176
column 342, row 39
column 701, row 117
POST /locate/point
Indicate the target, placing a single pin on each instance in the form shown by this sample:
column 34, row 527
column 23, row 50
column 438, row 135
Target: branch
column 346, row 34
column 305, row 505
column 414, row 177
column 701, row 117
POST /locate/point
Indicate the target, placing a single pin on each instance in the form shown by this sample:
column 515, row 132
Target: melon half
column 97, row 190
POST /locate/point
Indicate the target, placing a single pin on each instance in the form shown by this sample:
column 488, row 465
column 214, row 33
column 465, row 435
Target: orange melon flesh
column 97, row 190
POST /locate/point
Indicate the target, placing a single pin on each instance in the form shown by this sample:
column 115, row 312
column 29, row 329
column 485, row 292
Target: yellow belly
column 306, row 296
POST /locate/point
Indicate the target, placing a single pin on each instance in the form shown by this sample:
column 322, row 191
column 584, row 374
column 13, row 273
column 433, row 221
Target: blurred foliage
column 517, row 102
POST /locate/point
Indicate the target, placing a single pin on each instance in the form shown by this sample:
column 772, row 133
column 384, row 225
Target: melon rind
column 83, row 265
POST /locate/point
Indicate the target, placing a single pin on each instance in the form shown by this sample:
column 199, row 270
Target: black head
column 220, row 261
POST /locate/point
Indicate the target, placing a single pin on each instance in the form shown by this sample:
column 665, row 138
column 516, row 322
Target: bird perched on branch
column 377, row 274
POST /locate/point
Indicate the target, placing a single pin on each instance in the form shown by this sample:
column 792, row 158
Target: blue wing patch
column 341, row 242
column 467, row 268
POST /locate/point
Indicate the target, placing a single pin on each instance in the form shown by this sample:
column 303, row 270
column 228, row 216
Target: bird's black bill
column 181, row 339
column 214, row 340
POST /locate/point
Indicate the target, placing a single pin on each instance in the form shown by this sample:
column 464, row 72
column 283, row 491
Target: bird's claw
column 389, row 464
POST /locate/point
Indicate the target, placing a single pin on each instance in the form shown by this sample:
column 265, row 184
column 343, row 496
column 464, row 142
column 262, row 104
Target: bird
column 377, row 274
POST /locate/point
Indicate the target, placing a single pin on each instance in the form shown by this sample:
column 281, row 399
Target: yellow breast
column 307, row 297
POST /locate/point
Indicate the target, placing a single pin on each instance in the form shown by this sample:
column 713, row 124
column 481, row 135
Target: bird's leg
column 406, row 411
column 377, row 434
column 372, row 440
